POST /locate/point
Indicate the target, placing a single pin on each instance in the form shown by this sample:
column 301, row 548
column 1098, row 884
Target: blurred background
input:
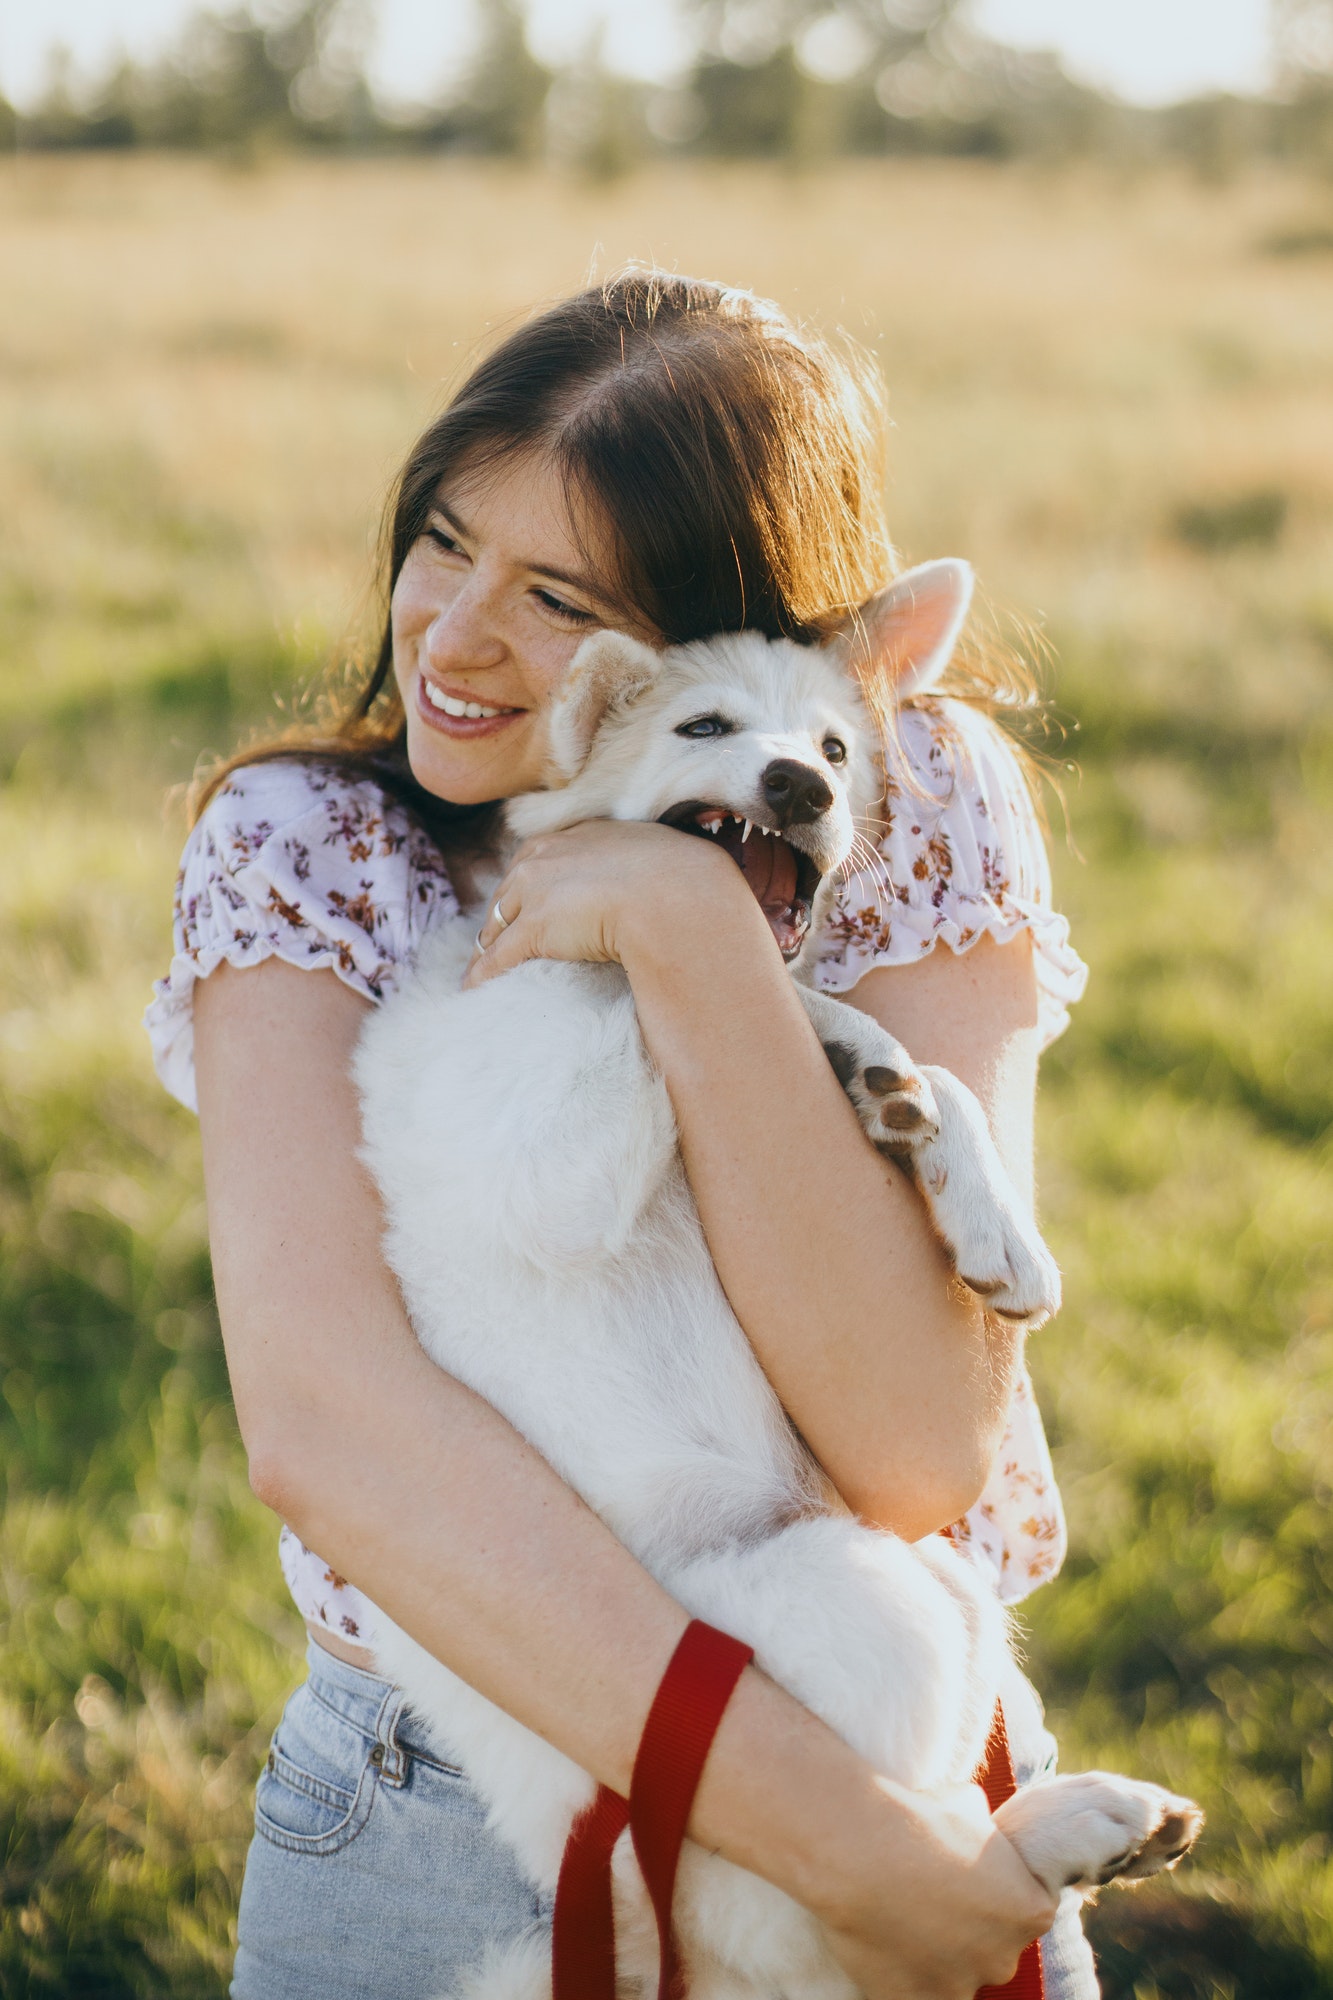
column 1091, row 242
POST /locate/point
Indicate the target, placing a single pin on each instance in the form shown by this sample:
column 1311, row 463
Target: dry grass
column 1121, row 408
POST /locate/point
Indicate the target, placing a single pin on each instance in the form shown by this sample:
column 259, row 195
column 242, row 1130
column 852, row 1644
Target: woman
column 670, row 458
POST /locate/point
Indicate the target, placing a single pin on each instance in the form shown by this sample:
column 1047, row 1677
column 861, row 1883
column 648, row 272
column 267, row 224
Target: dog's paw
column 894, row 1102
column 1083, row 1831
column 1001, row 1257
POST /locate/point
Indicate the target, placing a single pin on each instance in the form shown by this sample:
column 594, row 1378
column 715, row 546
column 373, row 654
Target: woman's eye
column 443, row 540
column 705, row 725
column 569, row 612
column 835, row 750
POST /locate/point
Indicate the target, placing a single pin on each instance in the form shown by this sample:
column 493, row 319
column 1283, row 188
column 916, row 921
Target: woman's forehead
column 521, row 496
column 526, row 497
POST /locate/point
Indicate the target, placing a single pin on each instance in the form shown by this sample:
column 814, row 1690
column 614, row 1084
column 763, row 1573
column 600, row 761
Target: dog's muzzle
column 783, row 879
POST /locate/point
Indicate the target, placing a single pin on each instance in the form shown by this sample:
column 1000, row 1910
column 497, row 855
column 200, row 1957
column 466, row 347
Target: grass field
column 1116, row 398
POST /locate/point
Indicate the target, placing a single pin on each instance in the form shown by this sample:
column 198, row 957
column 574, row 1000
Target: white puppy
column 551, row 1256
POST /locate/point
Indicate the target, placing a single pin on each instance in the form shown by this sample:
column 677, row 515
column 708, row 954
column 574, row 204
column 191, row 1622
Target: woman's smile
column 457, row 712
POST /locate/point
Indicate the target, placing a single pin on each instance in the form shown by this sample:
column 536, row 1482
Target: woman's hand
column 579, row 894
column 959, row 1911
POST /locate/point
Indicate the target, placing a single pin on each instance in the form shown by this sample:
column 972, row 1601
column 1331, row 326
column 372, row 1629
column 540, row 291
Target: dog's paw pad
column 880, row 1081
column 1174, row 1835
column 902, row 1107
column 894, row 1102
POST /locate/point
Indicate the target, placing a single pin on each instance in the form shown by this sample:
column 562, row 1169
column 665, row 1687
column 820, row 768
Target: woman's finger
column 502, row 912
column 499, row 948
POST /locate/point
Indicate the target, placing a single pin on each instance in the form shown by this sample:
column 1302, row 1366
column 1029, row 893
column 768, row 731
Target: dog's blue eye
column 834, row 750
column 706, row 725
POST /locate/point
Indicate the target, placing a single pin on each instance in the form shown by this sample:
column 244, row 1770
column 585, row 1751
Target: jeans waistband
column 370, row 1704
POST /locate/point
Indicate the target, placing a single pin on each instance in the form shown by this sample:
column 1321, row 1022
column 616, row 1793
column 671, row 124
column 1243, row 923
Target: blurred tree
column 1303, row 52
column 596, row 121
column 793, row 79
column 500, row 105
column 232, row 79
column 801, row 77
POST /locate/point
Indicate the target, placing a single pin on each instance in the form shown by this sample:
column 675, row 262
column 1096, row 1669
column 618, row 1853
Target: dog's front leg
column 980, row 1218
column 892, row 1096
column 921, row 1116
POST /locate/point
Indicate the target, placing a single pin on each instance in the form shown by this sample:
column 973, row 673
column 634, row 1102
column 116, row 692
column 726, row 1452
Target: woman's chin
column 466, row 773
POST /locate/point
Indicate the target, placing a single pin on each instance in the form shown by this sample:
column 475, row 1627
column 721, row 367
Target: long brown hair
column 735, row 463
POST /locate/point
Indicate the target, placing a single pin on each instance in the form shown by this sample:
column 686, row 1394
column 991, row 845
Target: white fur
column 552, row 1258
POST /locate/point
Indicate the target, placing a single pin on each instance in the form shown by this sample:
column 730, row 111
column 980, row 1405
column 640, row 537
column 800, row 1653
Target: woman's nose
column 464, row 632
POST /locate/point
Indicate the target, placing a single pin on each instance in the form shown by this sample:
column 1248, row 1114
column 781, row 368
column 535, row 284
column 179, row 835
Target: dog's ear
column 910, row 629
column 607, row 672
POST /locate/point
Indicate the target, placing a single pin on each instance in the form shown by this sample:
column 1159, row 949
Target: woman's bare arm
column 422, row 1494
column 896, row 1378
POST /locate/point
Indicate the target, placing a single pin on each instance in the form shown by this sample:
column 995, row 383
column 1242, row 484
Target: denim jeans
column 372, row 1875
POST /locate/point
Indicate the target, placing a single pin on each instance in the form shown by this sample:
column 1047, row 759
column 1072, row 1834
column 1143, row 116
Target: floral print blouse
column 305, row 863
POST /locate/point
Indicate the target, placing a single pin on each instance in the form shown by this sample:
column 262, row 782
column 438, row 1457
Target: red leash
column 681, row 1725
column 996, row 1778
column 677, row 1736
column 583, row 1938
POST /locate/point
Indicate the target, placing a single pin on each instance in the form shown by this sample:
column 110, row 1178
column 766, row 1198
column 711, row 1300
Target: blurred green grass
column 202, row 397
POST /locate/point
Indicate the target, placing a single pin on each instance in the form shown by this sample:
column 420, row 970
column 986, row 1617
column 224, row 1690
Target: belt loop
column 388, row 1753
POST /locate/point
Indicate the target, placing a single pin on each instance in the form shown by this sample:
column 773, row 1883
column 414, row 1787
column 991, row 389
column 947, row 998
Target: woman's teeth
column 451, row 705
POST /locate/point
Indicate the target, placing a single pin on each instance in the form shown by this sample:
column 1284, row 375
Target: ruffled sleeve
column 962, row 857
column 299, row 862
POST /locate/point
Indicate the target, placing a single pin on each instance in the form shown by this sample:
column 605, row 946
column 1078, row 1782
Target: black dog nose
column 797, row 793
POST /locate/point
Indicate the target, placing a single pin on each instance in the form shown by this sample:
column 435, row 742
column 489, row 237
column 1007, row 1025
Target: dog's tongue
column 769, row 866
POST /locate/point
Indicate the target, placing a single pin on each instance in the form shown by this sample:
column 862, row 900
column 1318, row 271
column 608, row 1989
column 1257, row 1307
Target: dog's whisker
column 866, row 860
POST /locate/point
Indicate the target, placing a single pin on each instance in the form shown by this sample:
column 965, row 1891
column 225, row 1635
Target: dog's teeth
column 748, row 831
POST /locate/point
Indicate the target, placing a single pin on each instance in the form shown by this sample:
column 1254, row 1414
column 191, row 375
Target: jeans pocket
column 318, row 1783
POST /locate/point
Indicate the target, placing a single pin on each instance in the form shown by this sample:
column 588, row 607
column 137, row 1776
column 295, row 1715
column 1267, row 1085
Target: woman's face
column 489, row 608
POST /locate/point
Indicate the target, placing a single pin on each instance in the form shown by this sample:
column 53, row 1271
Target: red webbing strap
column 583, row 1941
column 996, row 1778
column 677, row 1737
column 687, row 1708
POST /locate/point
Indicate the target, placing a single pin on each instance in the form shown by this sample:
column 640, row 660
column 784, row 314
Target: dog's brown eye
column 834, row 750
column 706, row 725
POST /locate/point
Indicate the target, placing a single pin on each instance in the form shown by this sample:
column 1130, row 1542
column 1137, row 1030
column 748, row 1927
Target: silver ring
column 500, row 917
column 477, row 944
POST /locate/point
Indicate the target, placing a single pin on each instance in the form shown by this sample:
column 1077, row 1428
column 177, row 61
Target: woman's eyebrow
column 571, row 577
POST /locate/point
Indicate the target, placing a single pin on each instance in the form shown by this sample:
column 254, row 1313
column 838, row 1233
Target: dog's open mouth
column 781, row 878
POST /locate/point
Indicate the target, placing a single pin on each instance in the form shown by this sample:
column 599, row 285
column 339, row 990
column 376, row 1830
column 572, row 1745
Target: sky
column 1151, row 51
